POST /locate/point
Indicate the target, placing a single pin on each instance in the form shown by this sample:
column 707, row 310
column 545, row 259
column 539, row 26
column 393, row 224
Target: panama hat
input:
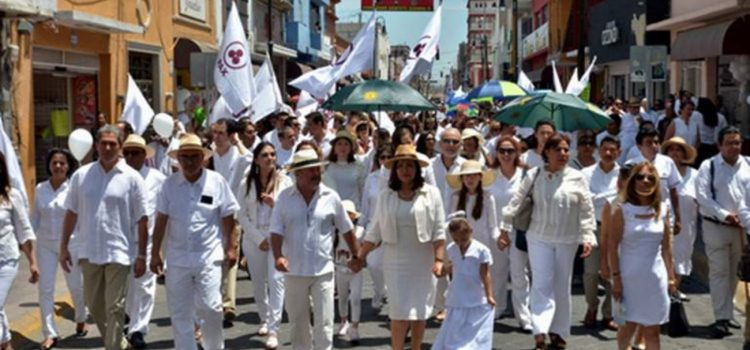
column 690, row 153
column 190, row 142
column 470, row 167
column 349, row 207
column 303, row 159
column 405, row 152
column 135, row 141
column 344, row 134
column 634, row 102
column 471, row 132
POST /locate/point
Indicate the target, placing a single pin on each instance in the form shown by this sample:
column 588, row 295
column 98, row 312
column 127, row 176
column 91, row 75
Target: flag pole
column 375, row 46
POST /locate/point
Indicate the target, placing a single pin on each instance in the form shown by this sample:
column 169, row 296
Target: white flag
column 11, row 162
column 556, row 79
column 357, row 58
column 220, row 110
column 576, row 90
column 424, row 52
column 524, row 82
column 137, row 112
column 233, row 69
column 306, row 104
column 573, row 82
column 269, row 98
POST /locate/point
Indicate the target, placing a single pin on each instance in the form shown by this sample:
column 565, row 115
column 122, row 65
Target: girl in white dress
column 348, row 282
column 640, row 257
column 470, row 299
column 344, row 173
column 682, row 247
column 470, row 180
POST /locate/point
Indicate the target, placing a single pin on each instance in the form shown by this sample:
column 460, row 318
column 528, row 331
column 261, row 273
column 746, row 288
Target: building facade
column 481, row 39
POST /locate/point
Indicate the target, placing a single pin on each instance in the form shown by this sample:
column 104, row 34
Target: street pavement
column 23, row 313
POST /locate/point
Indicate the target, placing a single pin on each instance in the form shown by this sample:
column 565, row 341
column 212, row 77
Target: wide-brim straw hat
column 470, row 167
column 190, row 142
column 344, row 134
column 135, row 141
column 689, row 150
column 303, row 159
column 470, row 133
column 350, row 208
column 634, row 102
column 405, row 152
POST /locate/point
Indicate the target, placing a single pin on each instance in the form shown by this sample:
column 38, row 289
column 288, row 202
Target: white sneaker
column 263, row 330
column 353, row 335
column 343, row 329
column 272, row 342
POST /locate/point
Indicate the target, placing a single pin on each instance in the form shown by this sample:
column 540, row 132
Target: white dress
column 408, row 269
column 682, row 245
column 347, row 179
column 470, row 320
column 645, row 295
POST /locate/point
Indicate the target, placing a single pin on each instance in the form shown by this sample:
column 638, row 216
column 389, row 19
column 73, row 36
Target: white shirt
column 744, row 210
column 324, row 144
column 707, row 134
column 347, row 179
column 603, row 186
column 255, row 216
column 532, row 159
column 47, row 215
column 440, row 171
column 563, row 211
column 15, row 228
column 370, row 197
column 728, row 182
column 231, row 166
column 308, row 230
column 466, row 288
column 273, row 138
column 602, row 135
column 343, row 254
column 668, row 173
column 153, row 180
column 195, row 210
column 109, row 206
column 503, row 189
column 283, row 156
column 485, row 228
column 688, row 131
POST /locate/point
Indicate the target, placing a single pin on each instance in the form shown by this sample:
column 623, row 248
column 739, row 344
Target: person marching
column 195, row 213
column 348, row 282
column 142, row 290
column 470, row 299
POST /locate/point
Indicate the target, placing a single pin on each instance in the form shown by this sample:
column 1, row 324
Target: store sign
column 648, row 64
column 398, row 5
column 195, row 9
column 610, row 34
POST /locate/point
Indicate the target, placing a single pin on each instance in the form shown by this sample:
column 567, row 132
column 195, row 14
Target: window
column 142, row 67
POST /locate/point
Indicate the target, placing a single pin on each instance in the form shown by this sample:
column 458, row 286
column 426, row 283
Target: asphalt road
column 23, row 313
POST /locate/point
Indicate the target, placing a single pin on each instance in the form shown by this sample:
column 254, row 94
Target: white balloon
column 80, row 142
column 748, row 99
column 163, row 124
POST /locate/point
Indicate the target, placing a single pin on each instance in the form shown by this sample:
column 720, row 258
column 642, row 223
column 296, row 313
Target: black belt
column 710, row 219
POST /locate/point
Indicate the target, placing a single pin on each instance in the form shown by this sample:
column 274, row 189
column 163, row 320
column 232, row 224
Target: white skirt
column 466, row 328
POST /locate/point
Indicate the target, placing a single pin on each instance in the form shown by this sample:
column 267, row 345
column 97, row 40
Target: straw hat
column 471, row 132
column 190, row 142
column 690, row 153
column 350, row 208
column 344, row 134
column 405, row 152
column 303, row 159
column 470, row 167
column 135, row 141
column 634, row 102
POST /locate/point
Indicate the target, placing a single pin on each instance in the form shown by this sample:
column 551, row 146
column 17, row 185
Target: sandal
column 81, row 329
column 540, row 346
column 48, row 343
column 557, row 342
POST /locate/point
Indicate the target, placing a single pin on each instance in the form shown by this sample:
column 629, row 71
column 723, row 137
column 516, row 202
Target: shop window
column 618, row 86
column 142, row 67
column 691, row 77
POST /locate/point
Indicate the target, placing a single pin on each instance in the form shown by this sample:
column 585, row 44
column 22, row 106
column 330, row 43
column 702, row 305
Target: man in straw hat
column 142, row 290
column 105, row 202
column 720, row 179
column 302, row 242
column 200, row 238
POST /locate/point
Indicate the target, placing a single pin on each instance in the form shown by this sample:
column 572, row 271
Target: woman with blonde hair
column 640, row 257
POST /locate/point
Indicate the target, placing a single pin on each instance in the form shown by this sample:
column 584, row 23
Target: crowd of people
column 446, row 214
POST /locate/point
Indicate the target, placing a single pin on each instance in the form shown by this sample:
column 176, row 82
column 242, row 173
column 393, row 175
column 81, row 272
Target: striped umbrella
column 495, row 90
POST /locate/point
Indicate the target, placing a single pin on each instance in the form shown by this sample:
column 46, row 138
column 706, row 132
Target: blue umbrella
column 496, row 90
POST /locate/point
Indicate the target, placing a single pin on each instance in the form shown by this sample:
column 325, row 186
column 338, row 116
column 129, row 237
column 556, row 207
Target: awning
column 88, row 21
column 725, row 38
column 28, row 8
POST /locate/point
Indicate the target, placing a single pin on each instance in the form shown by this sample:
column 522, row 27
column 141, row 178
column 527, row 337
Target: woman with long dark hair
column 47, row 215
column 15, row 232
column 344, row 173
column 426, row 144
column 258, row 193
column 709, row 122
column 685, row 125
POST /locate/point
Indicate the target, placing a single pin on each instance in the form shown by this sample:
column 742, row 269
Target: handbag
column 522, row 219
column 743, row 267
column 678, row 325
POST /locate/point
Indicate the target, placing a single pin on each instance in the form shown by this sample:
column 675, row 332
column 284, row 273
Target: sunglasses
column 450, row 142
column 642, row 177
column 508, row 151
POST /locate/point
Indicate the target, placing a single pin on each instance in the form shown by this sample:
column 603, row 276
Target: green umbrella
column 378, row 95
column 567, row 112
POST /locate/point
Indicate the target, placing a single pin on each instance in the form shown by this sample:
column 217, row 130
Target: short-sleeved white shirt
column 109, row 206
column 47, row 214
column 308, row 230
column 466, row 288
column 152, row 180
column 195, row 210
column 603, row 186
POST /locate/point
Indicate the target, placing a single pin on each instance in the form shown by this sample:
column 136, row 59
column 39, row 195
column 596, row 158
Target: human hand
column 34, row 272
column 732, row 219
column 156, row 265
column 355, row 264
column 503, row 241
column 282, row 265
column 491, row 301
column 264, row 246
column 672, row 288
column 587, row 248
column 230, row 257
column 267, row 199
column 604, row 271
column 140, row 267
column 437, row 269
column 617, row 289
column 677, row 227
column 65, row 260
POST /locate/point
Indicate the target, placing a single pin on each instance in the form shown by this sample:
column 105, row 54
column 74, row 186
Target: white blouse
column 347, row 179
column 485, row 228
column 370, row 197
column 503, row 189
column 47, row 214
column 15, row 228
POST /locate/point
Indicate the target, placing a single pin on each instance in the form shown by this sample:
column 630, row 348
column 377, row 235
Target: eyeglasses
column 384, row 157
column 643, row 177
column 508, row 151
column 450, row 142
column 133, row 153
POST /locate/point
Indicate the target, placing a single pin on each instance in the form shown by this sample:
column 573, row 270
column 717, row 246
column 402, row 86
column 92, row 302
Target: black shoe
column 227, row 324
column 746, row 346
column 733, row 324
column 136, row 340
column 720, row 329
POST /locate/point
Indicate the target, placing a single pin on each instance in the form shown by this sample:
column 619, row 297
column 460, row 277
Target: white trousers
column 299, row 291
column 47, row 260
column 723, row 248
column 375, row 266
column 500, row 271
column 552, row 268
column 349, row 286
column 140, row 302
column 195, row 293
column 268, row 283
column 8, row 271
column 519, row 278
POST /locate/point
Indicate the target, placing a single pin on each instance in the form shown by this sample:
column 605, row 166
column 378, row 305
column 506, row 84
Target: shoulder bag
column 522, row 219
